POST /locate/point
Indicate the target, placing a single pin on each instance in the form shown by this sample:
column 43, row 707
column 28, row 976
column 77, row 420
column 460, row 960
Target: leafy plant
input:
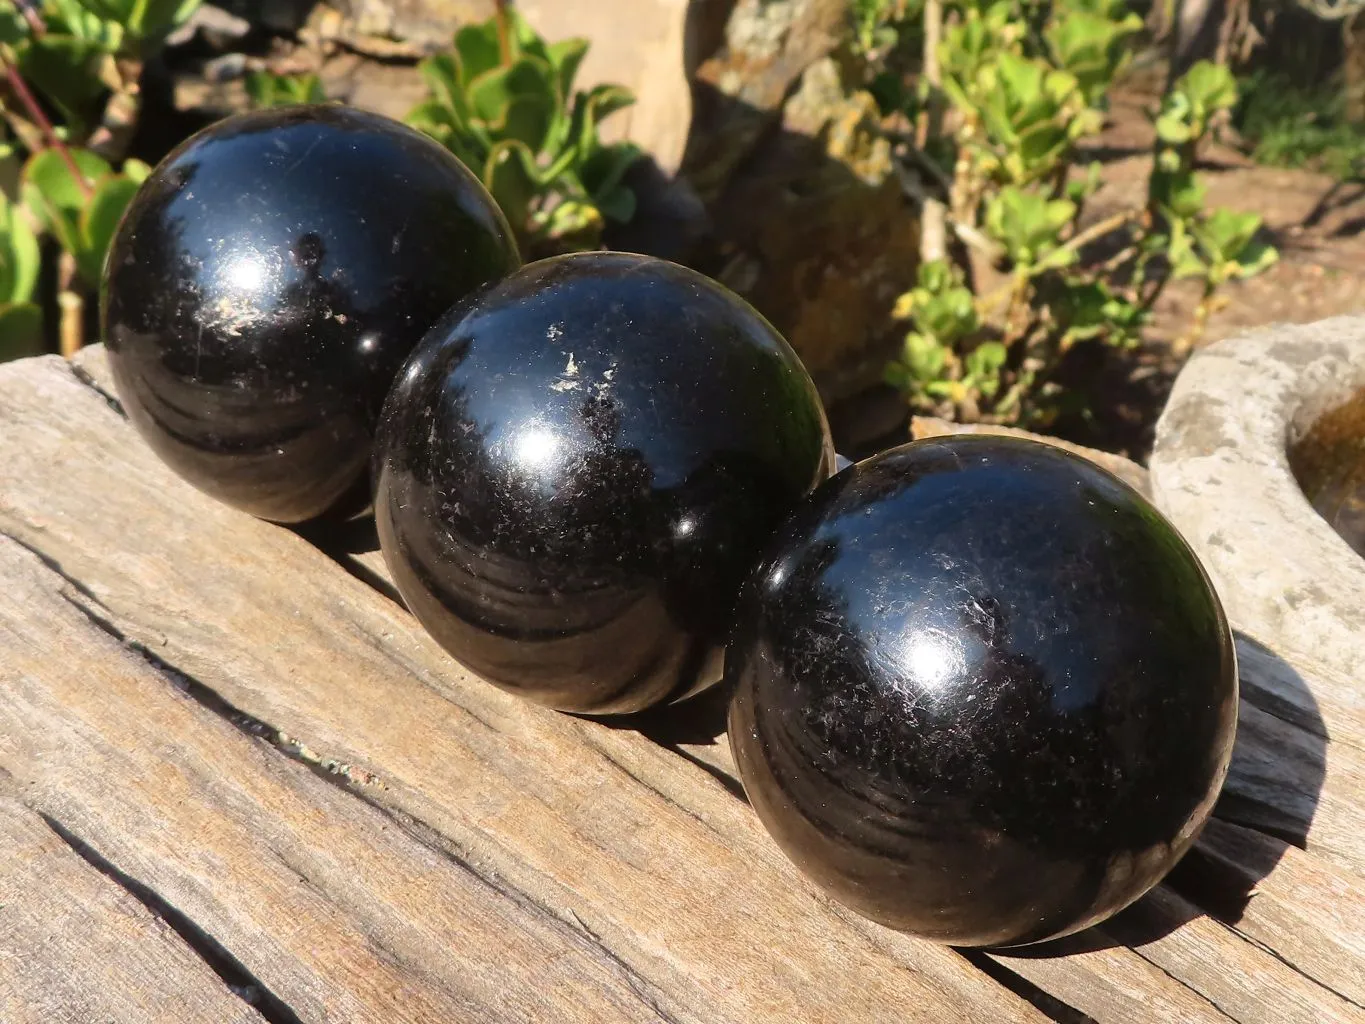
column 269, row 90
column 502, row 100
column 1026, row 82
column 82, row 59
column 87, row 62
column 20, row 318
column 82, row 217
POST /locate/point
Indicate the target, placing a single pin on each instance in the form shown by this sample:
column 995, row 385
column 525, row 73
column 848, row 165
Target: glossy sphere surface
column 576, row 471
column 266, row 284
column 984, row 691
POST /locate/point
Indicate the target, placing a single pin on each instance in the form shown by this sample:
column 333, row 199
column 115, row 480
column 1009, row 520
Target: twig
column 934, row 226
column 969, row 235
column 71, row 327
column 35, row 112
column 1099, row 230
column 33, row 16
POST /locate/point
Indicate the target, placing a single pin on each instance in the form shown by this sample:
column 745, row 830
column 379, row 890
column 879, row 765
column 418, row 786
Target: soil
column 1316, row 222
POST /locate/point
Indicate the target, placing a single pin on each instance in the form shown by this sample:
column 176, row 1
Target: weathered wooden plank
column 74, row 946
column 1276, row 782
column 670, row 876
column 1111, row 984
column 1306, row 925
column 1283, row 898
column 332, row 905
column 1114, row 983
column 1242, row 979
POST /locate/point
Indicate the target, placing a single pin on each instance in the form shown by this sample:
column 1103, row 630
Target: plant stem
column 934, row 226
column 1099, row 230
column 33, row 16
column 501, row 10
column 35, row 112
column 70, row 329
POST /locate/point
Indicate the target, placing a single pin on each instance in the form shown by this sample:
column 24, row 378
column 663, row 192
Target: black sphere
column 578, row 468
column 266, row 284
column 984, row 692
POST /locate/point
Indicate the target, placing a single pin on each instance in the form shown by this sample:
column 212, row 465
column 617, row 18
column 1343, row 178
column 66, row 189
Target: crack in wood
column 233, row 973
column 1042, row 1000
column 1190, row 988
column 341, row 777
column 54, row 566
column 83, row 375
column 1293, row 967
column 731, row 784
column 638, row 984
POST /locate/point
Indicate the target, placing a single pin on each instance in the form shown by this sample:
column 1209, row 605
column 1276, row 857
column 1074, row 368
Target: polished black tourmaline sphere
column 577, row 469
column 985, row 693
column 265, row 286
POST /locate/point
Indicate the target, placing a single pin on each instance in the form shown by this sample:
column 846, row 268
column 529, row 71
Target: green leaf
column 21, row 331
column 1027, row 223
column 565, row 57
column 269, row 90
column 73, row 18
column 617, row 205
column 602, row 172
column 525, row 41
column 153, row 20
column 924, row 357
column 1181, row 192
column 492, row 92
column 20, row 256
column 605, row 100
column 1224, row 233
column 574, row 225
column 136, row 170
column 983, row 365
column 53, row 195
column 477, row 51
column 1173, row 129
column 1209, row 86
column 99, row 222
column 13, row 28
column 66, row 70
column 442, row 76
column 526, row 119
column 120, row 12
column 510, row 176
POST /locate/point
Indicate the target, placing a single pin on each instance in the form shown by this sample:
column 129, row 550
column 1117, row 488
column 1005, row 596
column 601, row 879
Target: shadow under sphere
column 579, row 466
column 266, row 284
column 984, row 692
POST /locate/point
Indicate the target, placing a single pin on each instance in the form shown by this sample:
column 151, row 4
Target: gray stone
column 1221, row 472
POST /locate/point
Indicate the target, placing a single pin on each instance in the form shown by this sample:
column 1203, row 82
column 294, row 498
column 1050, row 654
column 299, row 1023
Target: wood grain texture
column 75, row 946
column 1103, row 985
column 598, row 832
column 337, row 910
column 650, row 856
column 1289, row 901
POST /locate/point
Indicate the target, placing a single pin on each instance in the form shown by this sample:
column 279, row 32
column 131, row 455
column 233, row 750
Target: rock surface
column 1221, row 471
